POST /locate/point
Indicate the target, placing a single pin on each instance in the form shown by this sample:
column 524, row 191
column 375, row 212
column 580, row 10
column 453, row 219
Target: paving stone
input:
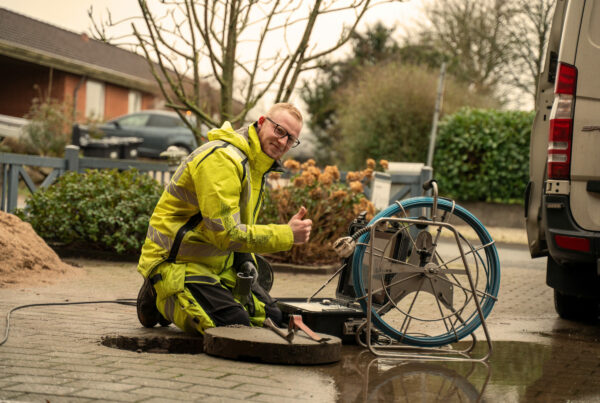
column 146, row 360
column 45, row 398
column 220, row 399
column 281, row 399
column 193, row 372
column 40, row 388
column 7, row 349
column 176, row 383
column 284, row 391
column 140, row 368
column 219, row 383
column 119, row 386
column 93, row 376
column 162, row 399
column 24, row 357
column 73, row 356
column 306, row 383
column 17, row 362
column 83, row 369
column 147, row 374
column 104, row 395
column 105, row 360
column 266, row 369
column 47, row 380
column 4, row 383
column 185, row 395
column 65, row 360
column 220, row 392
column 30, row 370
column 11, row 396
column 263, row 345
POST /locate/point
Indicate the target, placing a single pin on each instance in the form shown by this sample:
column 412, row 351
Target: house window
column 94, row 99
column 134, row 103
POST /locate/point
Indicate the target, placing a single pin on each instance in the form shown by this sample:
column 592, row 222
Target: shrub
column 483, row 155
column 331, row 205
column 386, row 112
column 107, row 210
column 49, row 129
column 12, row 145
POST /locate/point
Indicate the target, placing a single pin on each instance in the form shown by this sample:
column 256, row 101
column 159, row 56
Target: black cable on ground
column 121, row 301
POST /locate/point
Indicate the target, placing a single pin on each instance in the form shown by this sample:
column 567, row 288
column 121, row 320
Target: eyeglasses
column 281, row 133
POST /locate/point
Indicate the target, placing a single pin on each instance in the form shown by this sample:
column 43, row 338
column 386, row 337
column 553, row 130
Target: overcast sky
column 73, row 16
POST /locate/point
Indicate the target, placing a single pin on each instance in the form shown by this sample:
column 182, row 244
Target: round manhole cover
column 263, row 345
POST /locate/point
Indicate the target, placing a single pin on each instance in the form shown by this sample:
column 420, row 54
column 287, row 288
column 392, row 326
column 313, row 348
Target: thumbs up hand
column 300, row 227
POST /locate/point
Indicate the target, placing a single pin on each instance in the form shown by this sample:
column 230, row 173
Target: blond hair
column 291, row 109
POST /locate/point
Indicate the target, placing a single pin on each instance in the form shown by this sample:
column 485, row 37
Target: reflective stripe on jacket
column 214, row 195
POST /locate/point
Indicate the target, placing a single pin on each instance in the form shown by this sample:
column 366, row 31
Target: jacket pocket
column 173, row 278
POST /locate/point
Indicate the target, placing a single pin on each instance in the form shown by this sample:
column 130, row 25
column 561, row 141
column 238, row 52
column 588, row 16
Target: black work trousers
column 224, row 310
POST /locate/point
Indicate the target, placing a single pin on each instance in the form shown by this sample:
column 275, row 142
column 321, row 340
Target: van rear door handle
column 593, row 186
column 590, row 128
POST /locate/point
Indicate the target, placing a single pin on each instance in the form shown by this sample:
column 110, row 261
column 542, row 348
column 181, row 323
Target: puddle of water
column 563, row 370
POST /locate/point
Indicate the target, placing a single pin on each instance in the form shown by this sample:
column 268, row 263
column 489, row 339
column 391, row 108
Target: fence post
column 13, row 187
column 72, row 157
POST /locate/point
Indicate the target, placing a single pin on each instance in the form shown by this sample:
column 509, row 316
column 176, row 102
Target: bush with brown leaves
column 331, row 205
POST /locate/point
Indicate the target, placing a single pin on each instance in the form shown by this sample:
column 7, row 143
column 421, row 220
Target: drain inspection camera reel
column 426, row 273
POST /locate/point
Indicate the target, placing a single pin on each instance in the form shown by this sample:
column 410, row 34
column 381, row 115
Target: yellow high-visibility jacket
column 211, row 204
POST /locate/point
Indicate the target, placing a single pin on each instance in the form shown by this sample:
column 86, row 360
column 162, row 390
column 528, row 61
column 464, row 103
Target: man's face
column 272, row 144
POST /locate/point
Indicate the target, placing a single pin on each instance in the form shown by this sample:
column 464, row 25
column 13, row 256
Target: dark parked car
column 158, row 130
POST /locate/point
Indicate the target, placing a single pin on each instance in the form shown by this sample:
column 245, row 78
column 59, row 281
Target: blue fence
column 12, row 167
column 384, row 189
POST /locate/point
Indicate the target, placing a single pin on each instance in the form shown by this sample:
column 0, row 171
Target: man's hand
column 300, row 227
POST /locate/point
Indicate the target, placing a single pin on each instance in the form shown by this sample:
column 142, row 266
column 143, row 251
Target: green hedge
column 107, row 210
column 483, row 155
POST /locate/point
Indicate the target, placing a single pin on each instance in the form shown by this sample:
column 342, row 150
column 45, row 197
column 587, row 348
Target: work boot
column 147, row 312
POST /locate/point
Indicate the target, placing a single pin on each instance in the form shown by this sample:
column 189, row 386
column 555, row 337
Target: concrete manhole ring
column 259, row 344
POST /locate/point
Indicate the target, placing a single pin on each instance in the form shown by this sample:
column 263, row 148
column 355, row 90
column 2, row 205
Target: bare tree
column 472, row 34
column 529, row 33
column 495, row 45
column 225, row 42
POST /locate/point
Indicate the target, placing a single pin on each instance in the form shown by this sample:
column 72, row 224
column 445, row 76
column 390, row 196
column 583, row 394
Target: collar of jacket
column 257, row 158
column 246, row 139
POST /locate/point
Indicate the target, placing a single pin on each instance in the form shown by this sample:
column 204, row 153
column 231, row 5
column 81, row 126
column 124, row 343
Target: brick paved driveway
column 54, row 353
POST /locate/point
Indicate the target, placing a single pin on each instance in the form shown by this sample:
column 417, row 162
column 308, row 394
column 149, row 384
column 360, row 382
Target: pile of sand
column 25, row 259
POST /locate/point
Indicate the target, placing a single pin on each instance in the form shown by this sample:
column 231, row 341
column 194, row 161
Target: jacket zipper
column 262, row 186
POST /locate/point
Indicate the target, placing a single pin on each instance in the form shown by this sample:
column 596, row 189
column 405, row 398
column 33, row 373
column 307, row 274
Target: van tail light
column 572, row 243
column 561, row 123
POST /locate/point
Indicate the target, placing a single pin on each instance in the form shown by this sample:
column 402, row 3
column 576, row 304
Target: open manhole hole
column 156, row 341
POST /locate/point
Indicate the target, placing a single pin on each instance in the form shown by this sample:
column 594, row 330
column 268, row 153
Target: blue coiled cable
column 492, row 284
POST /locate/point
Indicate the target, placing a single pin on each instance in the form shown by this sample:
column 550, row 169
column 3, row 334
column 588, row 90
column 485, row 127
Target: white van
column 562, row 200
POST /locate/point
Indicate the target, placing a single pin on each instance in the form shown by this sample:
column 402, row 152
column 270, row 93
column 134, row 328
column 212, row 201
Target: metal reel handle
column 431, row 184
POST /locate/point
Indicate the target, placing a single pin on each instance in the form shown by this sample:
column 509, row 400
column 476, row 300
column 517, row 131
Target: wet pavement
column 55, row 354
column 565, row 370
